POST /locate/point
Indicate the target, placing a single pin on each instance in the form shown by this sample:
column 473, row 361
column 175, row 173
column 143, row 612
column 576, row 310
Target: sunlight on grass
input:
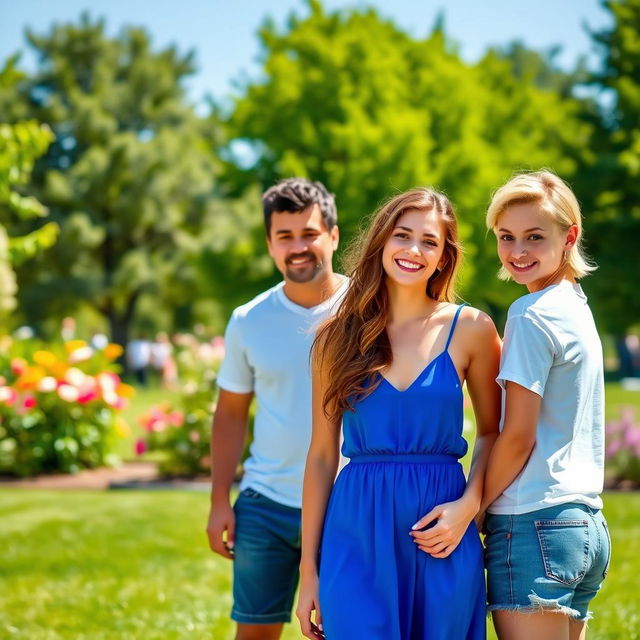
column 136, row 565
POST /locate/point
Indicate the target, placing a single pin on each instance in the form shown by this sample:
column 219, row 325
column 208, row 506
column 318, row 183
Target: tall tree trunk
column 120, row 324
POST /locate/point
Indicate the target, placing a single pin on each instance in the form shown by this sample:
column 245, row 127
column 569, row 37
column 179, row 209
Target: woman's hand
column 453, row 520
column 307, row 603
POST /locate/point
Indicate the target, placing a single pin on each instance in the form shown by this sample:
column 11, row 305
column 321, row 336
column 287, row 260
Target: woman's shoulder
column 476, row 323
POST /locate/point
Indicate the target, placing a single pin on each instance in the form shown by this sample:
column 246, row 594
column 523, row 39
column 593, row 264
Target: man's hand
column 221, row 528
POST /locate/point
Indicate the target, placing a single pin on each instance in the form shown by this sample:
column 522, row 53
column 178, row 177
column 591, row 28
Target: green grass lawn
column 617, row 397
column 135, row 565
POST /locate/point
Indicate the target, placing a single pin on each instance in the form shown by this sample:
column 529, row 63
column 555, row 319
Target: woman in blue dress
column 390, row 552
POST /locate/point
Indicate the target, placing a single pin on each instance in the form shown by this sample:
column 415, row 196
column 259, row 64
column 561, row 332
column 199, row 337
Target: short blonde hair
column 555, row 199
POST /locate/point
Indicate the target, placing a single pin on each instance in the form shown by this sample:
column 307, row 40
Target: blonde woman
column 547, row 541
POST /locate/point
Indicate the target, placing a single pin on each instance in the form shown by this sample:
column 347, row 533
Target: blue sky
column 223, row 32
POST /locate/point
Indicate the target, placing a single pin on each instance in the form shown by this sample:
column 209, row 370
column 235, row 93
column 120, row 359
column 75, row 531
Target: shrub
column 59, row 406
column 623, row 447
column 180, row 434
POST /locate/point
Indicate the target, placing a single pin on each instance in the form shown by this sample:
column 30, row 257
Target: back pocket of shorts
column 564, row 545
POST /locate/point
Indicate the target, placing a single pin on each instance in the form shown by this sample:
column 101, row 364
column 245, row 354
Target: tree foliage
column 349, row 99
column 20, row 145
column 613, row 184
column 128, row 177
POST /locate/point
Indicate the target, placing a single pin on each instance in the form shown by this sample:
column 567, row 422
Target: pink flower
column 194, row 436
column 157, row 425
column 632, row 437
column 176, row 418
column 612, row 427
column 107, row 381
column 613, row 448
column 110, row 397
column 68, row 392
column 19, row 366
column 47, row 384
column 87, row 395
column 75, row 377
column 8, row 396
column 29, row 402
column 218, row 348
column 140, row 446
column 120, row 404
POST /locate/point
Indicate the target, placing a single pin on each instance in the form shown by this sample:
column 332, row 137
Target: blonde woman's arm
column 482, row 343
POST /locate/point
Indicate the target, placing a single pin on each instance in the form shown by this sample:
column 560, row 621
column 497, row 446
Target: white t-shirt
column 138, row 353
column 551, row 347
column 267, row 344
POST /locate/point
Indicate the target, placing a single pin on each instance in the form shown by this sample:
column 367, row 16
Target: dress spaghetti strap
column 453, row 325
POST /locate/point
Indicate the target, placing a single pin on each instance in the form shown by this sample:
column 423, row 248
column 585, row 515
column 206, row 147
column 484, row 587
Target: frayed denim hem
column 541, row 604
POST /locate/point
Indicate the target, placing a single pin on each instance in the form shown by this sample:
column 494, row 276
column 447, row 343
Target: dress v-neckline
column 422, row 372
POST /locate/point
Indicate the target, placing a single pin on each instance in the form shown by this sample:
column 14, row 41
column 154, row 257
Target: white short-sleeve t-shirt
column 552, row 347
column 267, row 345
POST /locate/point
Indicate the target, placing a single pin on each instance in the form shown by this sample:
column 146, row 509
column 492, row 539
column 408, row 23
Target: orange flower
column 113, row 351
column 30, row 378
column 59, row 370
column 125, row 390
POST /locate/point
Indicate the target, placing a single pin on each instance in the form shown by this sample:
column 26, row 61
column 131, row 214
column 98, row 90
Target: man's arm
column 227, row 442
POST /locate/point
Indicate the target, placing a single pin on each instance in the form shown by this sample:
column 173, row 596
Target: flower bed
column 59, row 406
column 178, row 435
column 623, row 449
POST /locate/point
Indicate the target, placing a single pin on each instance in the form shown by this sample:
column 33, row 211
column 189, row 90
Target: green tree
column 129, row 178
column 613, row 182
column 350, row 99
column 20, row 145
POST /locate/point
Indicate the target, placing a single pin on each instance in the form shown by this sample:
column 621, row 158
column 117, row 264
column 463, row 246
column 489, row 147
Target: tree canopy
column 128, row 177
column 350, row 99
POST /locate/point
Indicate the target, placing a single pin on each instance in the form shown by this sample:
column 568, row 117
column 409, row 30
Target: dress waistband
column 406, row 458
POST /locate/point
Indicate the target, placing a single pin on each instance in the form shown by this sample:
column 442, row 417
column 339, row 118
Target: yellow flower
column 74, row 345
column 125, row 390
column 44, row 358
column 113, row 351
column 122, row 427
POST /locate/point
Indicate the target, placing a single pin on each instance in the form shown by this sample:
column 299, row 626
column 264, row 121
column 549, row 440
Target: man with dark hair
column 267, row 346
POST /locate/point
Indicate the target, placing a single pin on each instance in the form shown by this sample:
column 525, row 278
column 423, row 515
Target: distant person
column 138, row 354
column 267, row 346
column 162, row 360
column 633, row 345
column 68, row 328
column 548, row 545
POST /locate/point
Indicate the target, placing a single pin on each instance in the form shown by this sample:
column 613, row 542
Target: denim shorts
column 266, row 559
column 553, row 559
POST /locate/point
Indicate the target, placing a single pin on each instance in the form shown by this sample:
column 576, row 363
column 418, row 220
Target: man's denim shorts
column 553, row 559
column 267, row 555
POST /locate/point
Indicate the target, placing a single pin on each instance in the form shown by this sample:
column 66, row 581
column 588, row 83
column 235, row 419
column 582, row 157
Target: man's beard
column 308, row 273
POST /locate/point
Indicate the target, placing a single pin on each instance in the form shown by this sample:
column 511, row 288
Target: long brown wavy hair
column 353, row 345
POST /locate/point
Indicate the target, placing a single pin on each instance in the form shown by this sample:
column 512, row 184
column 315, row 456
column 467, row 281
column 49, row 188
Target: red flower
column 141, row 447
